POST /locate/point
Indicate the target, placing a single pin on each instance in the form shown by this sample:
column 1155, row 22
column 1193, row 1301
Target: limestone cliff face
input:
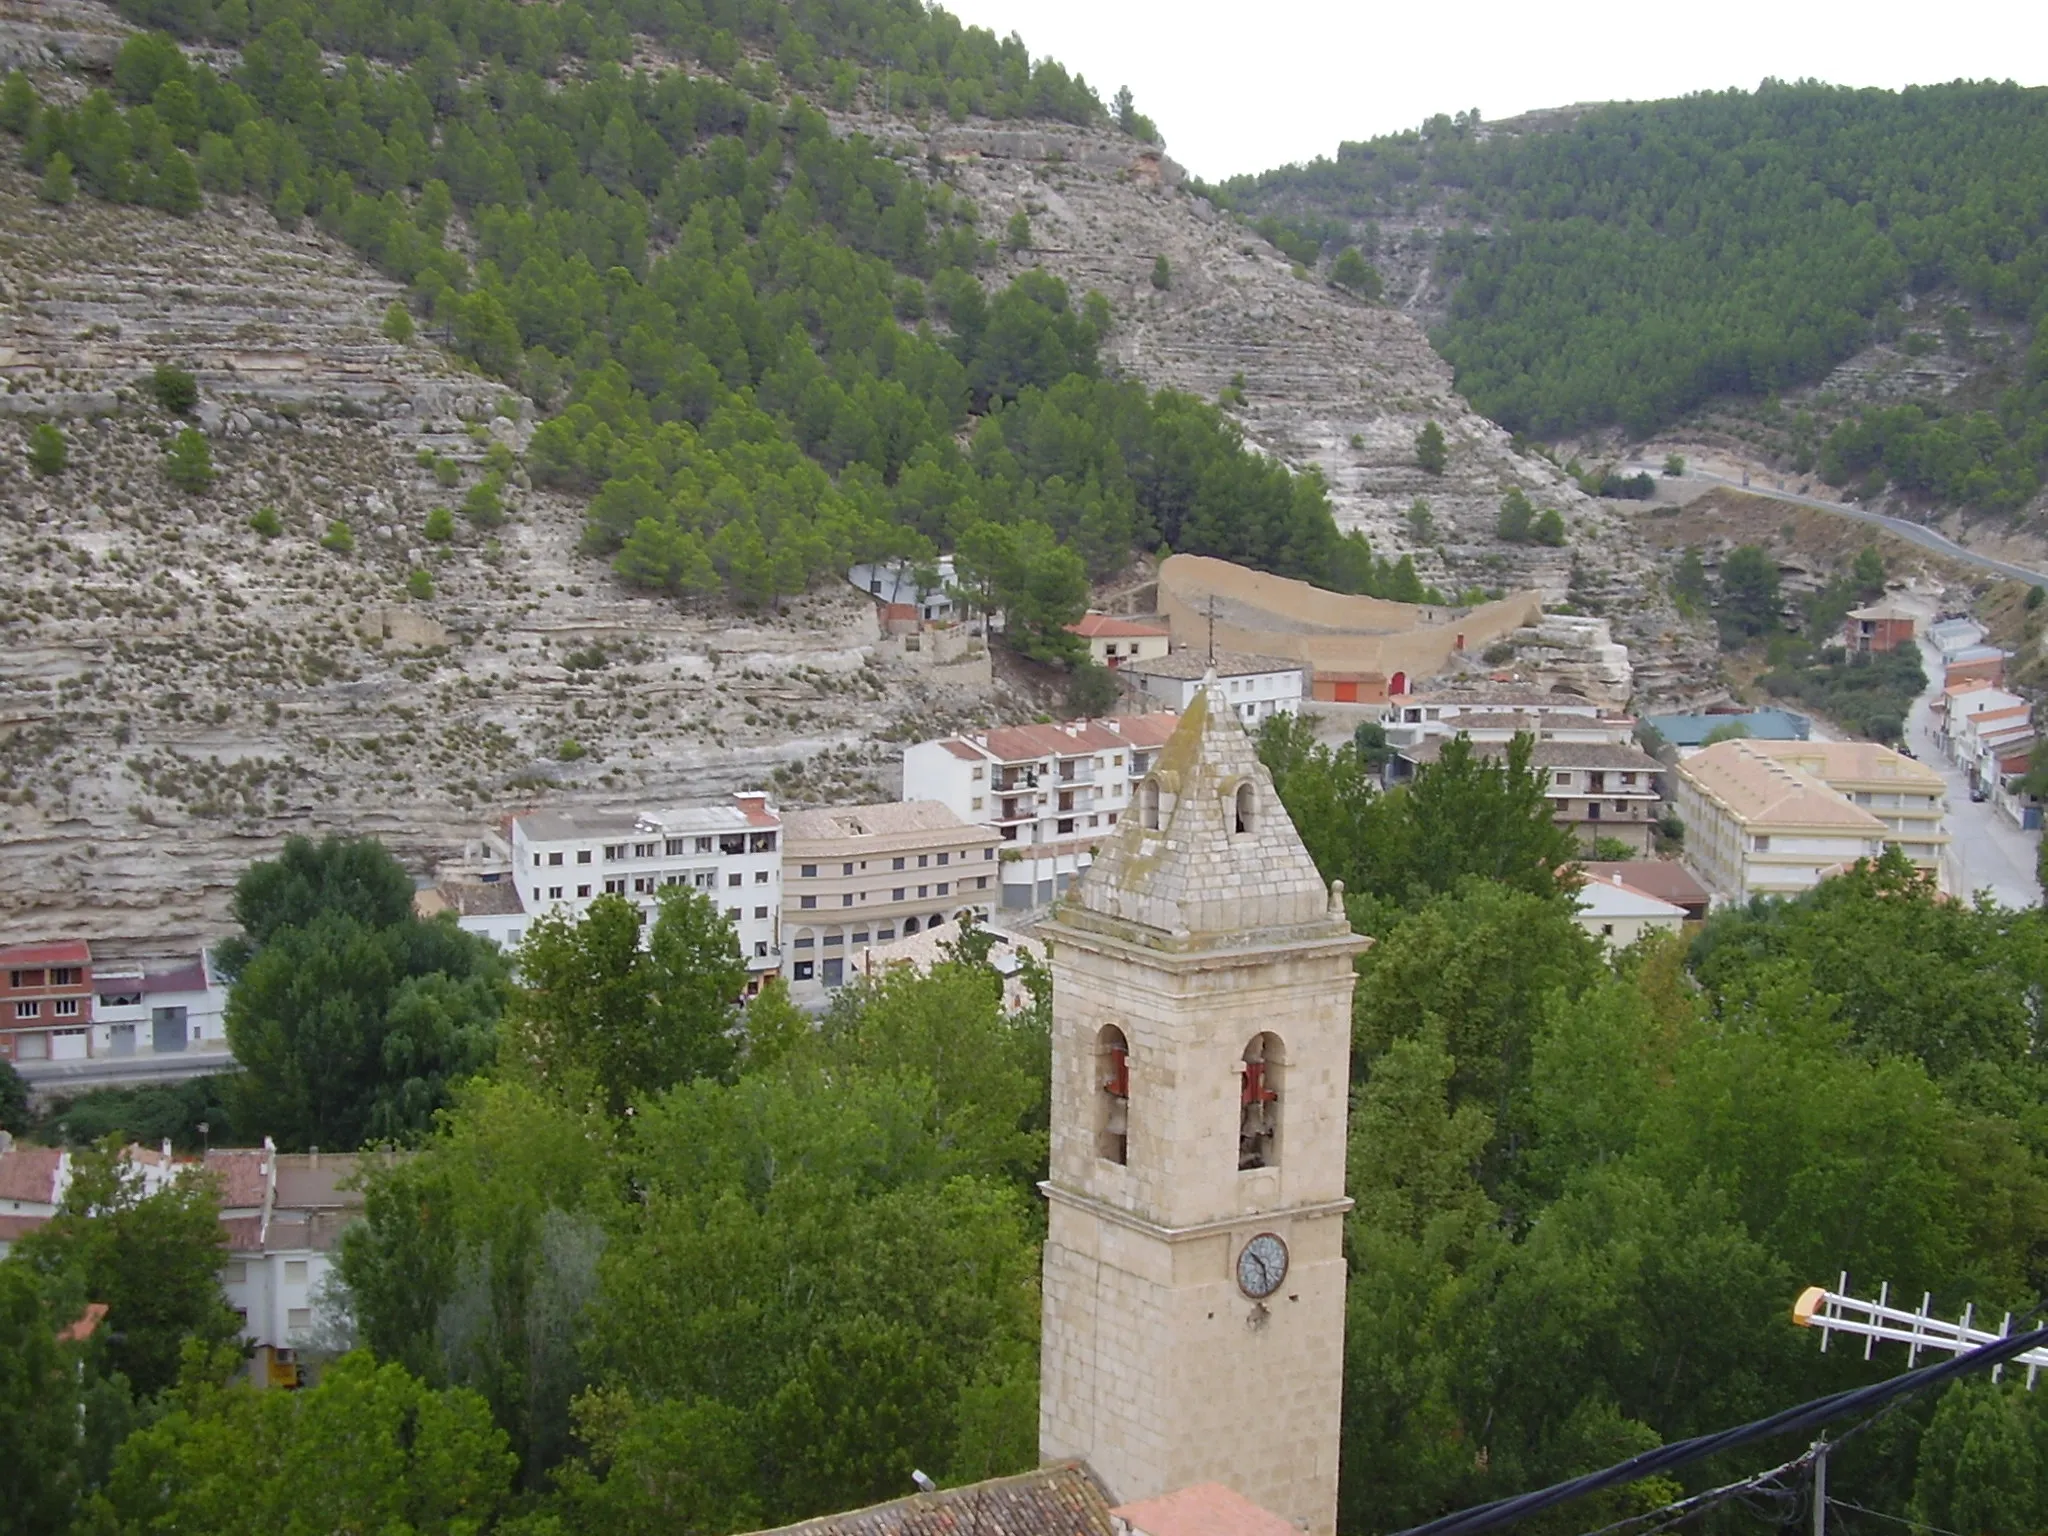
column 177, row 692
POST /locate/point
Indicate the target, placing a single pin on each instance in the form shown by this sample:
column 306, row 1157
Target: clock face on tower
column 1261, row 1266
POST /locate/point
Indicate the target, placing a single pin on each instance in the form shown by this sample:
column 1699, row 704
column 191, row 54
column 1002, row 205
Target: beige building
column 859, row 875
column 1115, row 642
column 1194, row 1259
column 1758, row 826
column 1910, row 798
column 1597, row 789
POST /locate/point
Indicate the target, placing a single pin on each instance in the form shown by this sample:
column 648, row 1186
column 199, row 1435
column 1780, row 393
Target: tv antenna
column 1881, row 1321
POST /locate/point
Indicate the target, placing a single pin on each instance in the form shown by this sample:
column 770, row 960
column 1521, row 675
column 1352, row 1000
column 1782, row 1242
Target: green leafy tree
column 339, row 538
column 1674, row 465
column 188, row 464
column 58, row 185
column 368, row 1448
column 1431, row 451
column 1091, row 690
column 1548, row 529
column 419, row 585
column 266, row 523
column 351, row 1018
column 174, row 389
column 18, row 103
column 1869, row 573
column 1017, row 233
column 1689, row 580
column 39, row 1407
column 14, row 1112
column 1517, row 520
column 1162, row 273
column 398, row 325
column 47, row 451
column 440, row 525
column 153, row 1259
column 599, row 1009
column 1749, row 594
column 1351, row 270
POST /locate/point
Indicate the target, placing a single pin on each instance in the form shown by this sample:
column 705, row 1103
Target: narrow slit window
column 1148, row 804
column 1242, row 810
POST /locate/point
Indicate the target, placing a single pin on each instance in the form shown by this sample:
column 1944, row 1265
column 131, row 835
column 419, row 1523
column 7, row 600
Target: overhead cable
column 1789, row 1421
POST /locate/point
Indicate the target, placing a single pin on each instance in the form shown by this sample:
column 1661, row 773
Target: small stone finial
column 1337, row 898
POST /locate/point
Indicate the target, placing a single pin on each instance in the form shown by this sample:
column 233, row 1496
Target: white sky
column 1251, row 84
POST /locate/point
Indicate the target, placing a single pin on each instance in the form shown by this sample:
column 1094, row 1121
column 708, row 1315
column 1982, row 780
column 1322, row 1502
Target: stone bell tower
column 1194, row 1263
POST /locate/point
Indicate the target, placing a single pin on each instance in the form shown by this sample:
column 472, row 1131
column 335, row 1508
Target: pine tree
column 1431, row 452
column 58, row 186
column 189, row 463
column 47, row 452
column 1162, row 274
column 398, row 323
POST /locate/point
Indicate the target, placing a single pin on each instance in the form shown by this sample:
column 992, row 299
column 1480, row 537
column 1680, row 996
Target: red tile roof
column 1206, row 1509
column 30, row 1173
column 1146, row 731
column 88, row 1321
column 242, row 1176
column 244, row 1233
column 59, row 952
column 1059, row 1500
column 1025, row 743
column 1102, row 626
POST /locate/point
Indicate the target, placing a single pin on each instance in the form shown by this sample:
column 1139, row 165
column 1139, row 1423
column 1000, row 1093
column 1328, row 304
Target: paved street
column 1989, row 851
column 1912, row 533
column 62, row 1079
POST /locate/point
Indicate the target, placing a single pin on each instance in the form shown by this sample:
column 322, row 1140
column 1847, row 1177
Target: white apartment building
column 1502, row 710
column 564, row 860
column 1051, row 792
column 859, row 876
column 1255, row 687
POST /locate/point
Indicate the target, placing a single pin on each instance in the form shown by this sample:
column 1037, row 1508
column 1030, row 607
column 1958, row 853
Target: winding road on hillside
column 1912, row 533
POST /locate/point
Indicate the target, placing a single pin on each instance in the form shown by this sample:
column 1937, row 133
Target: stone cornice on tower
column 1197, row 865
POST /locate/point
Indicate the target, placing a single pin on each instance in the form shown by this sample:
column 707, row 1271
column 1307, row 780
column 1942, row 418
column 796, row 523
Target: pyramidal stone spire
column 1205, row 858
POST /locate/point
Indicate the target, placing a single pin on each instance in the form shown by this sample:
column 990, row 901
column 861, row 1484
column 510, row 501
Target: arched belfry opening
column 1258, row 1103
column 1243, row 809
column 1148, row 804
column 1112, row 1095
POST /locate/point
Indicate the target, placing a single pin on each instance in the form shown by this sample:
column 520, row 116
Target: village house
column 283, row 1214
column 1618, row 914
column 1050, row 792
column 857, row 876
column 1665, row 879
column 1879, row 627
column 46, row 998
column 1115, row 642
column 1255, row 687
column 1598, row 789
column 160, row 1010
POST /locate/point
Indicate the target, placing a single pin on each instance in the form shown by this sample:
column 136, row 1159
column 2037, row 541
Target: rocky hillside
column 178, row 689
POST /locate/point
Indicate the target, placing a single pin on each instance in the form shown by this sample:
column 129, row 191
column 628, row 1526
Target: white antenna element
column 1878, row 1321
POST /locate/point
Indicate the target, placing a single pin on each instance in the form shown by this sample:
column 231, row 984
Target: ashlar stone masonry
column 1202, row 976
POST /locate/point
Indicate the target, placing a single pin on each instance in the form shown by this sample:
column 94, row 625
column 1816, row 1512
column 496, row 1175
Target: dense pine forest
column 1638, row 260
column 765, row 347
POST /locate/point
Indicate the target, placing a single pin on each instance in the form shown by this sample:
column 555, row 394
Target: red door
column 1347, row 693
column 1398, row 683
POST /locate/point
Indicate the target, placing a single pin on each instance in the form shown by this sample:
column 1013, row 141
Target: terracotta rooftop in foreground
column 1060, row 1500
column 1207, row 1509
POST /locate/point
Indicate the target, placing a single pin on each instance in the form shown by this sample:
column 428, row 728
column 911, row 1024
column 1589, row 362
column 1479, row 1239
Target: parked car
column 1979, row 794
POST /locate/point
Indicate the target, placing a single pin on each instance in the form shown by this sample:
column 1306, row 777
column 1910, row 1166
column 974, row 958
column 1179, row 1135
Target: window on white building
column 27, row 1010
column 614, row 851
column 582, row 855
column 294, row 1271
column 298, row 1319
column 615, row 886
